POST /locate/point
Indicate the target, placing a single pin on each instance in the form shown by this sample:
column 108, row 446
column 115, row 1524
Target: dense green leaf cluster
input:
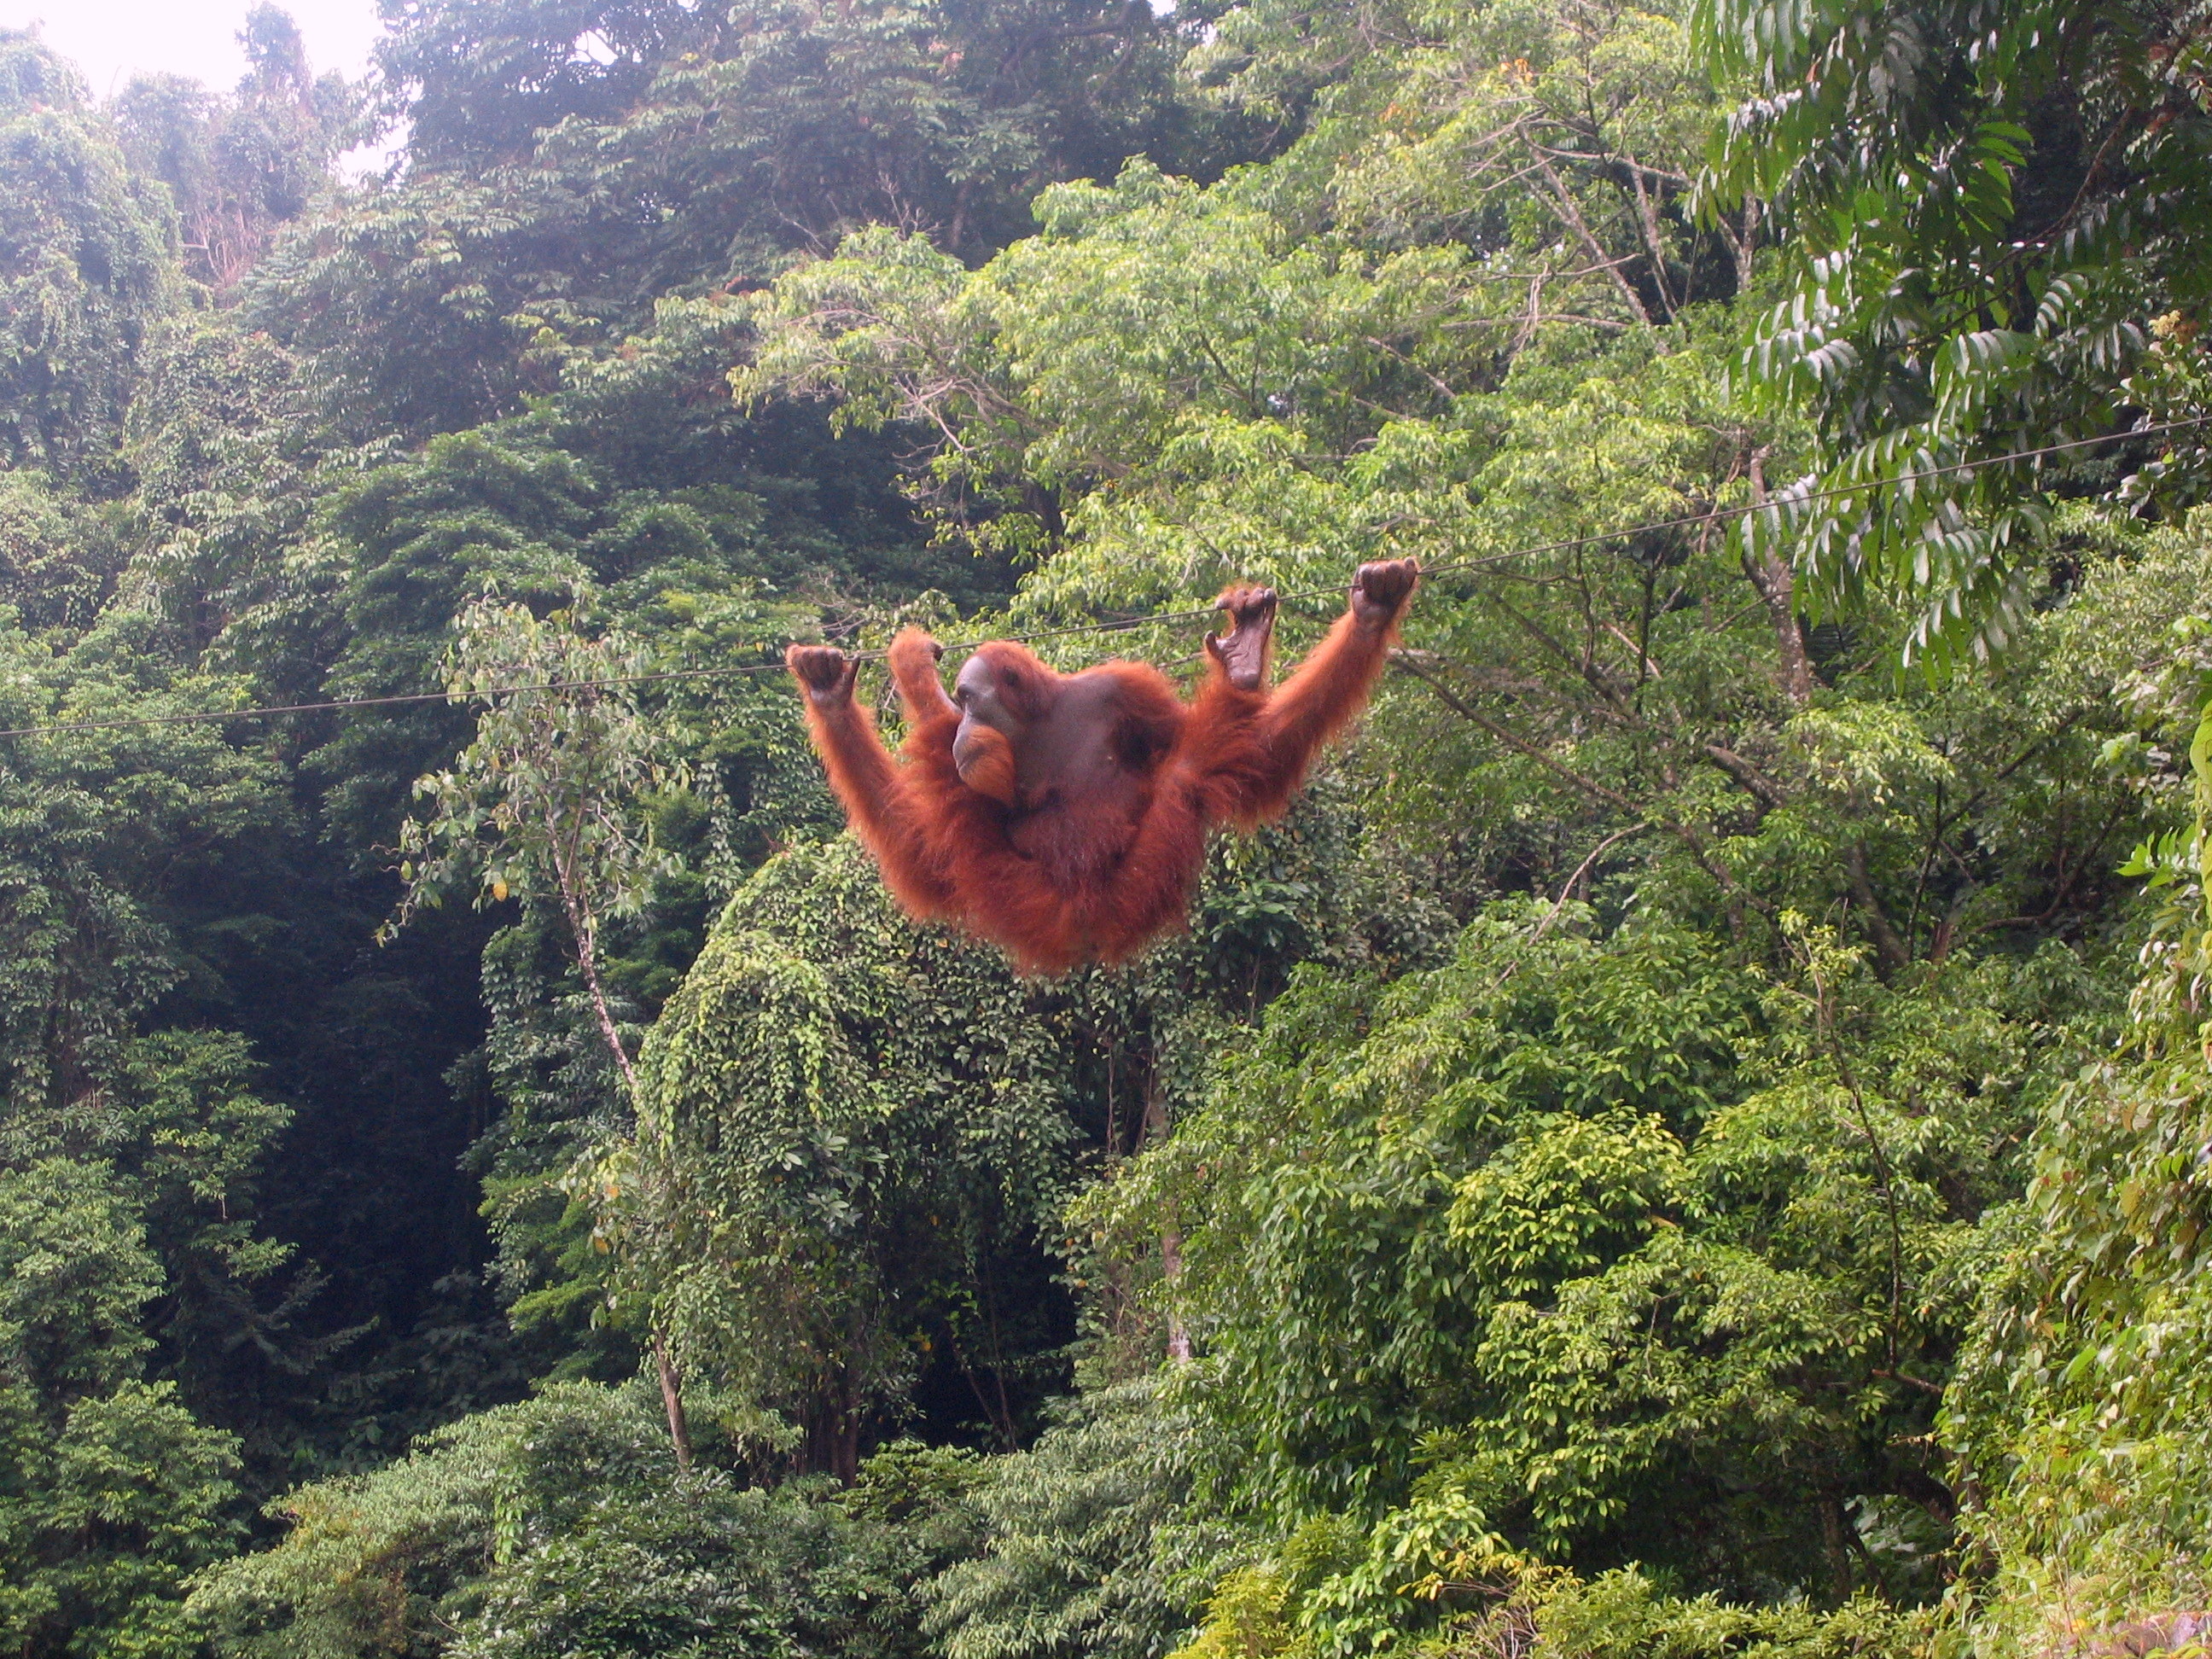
column 562, row 1526
column 89, row 273
column 1995, row 204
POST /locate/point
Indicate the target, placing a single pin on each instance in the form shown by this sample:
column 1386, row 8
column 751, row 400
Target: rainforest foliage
column 1694, row 1138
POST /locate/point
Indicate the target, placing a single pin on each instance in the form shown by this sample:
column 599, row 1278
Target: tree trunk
column 1890, row 952
column 1832, row 1522
column 671, row 1399
column 1155, row 1132
column 831, row 1444
column 1743, row 243
column 583, row 927
column 582, row 924
column 1171, row 1266
column 1774, row 584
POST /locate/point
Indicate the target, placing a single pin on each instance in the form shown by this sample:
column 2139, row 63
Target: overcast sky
column 113, row 39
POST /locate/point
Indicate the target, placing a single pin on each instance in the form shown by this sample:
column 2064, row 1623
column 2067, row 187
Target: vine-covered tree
column 89, row 270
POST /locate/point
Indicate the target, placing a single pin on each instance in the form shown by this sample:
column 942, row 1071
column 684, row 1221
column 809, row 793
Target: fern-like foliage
column 1987, row 202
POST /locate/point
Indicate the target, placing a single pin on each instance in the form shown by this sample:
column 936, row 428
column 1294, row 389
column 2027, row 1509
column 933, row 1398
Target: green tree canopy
column 89, row 269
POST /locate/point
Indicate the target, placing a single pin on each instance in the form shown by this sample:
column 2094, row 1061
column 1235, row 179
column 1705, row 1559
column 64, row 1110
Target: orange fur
column 992, row 773
column 1096, row 877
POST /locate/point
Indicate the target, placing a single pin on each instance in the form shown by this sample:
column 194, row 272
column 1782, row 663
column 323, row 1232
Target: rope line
column 1714, row 515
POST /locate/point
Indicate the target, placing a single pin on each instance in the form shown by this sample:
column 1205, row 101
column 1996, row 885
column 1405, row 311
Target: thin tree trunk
column 1770, row 578
column 671, row 1399
column 1171, row 1265
column 1890, row 952
column 849, row 1449
column 1743, row 244
column 1565, row 201
column 607, row 1022
column 1647, row 213
column 959, row 218
column 1156, row 1131
column 1831, row 1541
column 583, row 927
column 831, row 1442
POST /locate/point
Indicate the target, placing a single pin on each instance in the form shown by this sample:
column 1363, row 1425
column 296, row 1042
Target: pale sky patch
column 112, row 40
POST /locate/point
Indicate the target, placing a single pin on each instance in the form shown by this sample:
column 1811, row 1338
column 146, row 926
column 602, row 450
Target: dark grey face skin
column 980, row 696
column 1067, row 749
